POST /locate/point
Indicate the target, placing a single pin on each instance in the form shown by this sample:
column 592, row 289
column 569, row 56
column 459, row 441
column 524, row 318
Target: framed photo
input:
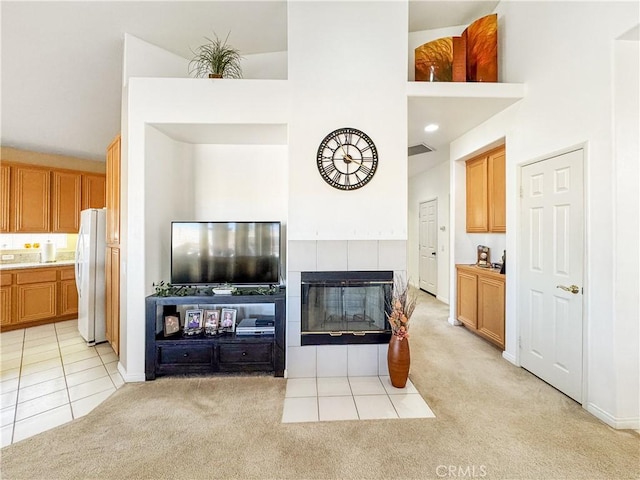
column 171, row 324
column 228, row 319
column 193, row 320
column 211, row 321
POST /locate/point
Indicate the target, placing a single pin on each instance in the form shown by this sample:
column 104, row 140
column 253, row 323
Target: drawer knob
column 244, row 354
column 185, row 354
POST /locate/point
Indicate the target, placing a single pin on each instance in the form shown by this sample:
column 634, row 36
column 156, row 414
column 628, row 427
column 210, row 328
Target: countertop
column 16, row 266
column 475, row 268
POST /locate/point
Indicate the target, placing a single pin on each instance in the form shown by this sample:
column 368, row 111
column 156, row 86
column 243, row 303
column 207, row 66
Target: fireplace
column 351, row 307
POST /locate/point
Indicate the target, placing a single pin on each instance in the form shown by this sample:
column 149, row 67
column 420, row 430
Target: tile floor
column 350, row 398
column 49, row 376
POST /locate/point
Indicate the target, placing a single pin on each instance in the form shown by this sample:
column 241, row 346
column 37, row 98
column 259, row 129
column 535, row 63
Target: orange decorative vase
column 398, row 360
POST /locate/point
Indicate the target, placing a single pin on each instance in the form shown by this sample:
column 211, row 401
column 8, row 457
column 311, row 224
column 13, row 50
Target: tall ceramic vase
column 398, row 360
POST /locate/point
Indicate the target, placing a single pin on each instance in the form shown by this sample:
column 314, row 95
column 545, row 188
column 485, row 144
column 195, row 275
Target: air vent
column 418, row 149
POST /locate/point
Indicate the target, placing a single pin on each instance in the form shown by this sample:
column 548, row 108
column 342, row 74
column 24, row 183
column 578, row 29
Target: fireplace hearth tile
column 371, row 407
column 391, row 390
column 366, row 386
column 304, row 409
column 333, row 386
column 301, row 387
column 337, row 408
column 411, row 405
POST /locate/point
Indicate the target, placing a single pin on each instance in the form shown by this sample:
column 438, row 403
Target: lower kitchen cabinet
column 35, row 296
column 480, row 302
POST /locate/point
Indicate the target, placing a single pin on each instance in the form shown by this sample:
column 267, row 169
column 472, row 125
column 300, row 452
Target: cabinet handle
column 185, row 354
column 244, row 354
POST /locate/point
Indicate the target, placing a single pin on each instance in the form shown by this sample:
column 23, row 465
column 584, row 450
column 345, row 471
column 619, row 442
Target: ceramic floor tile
column 112, row 367
column 8, row 399
column 333, row 386
column 40, row 357
column 104, row 348
column 301, row 387
column 6, row 356
column 303, row 409
column 34, row 334
column 77, row 356
column 70, row 327
column 39, row 341
column 71, row 341
column 68, row 335
column 89, row 388
column 7, row 416
column 39, row 377
column 10, row 364
column 74, row 348
column 13, row 336
column 41, row 389
column 411, row 405
column 83, row 406
column 337, row 408
column 108, row 357
column 41, row 366
column 41, row 347
column 11, row 347
column 9, row 374
column 366, row 386
column 66, row 324
column 87, row 375
column 82, row 365
column 9, row 385
column 372, row 407
column 41, row 404
column 117, row 379
column 6, row 433
column 40, row 423
column 391, row 390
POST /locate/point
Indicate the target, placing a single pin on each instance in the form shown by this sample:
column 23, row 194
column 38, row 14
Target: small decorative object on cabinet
column 228, row 322
column 211, row 322
column 171, row 324
column 225, row 352
column 403, row 303
column 216, row 59
column 192, row 323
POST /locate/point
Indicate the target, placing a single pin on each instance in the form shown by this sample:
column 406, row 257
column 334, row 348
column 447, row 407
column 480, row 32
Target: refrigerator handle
column 77, row 261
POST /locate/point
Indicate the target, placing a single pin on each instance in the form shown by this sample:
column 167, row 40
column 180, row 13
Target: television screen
column 215, row 253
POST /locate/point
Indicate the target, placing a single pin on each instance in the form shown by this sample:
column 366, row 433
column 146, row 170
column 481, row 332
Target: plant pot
column 215, row 75
column 398, row 361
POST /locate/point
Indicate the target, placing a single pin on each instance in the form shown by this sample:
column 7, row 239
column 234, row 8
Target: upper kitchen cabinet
column 5, row 185
column 486, row 194
column 113, row 192
column 32, row 199
column 65, row 201
column 93, row 191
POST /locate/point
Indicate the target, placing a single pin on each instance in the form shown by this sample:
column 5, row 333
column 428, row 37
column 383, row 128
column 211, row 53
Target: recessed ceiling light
column 432, row 127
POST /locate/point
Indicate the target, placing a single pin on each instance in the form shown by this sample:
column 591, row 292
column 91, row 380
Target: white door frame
column 519, row 240
column 420, row 203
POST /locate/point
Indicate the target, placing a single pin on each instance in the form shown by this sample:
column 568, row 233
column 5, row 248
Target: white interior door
column 551, row 271
column 429, row 246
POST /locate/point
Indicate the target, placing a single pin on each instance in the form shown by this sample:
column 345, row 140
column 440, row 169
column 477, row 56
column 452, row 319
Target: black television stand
column 225, row 353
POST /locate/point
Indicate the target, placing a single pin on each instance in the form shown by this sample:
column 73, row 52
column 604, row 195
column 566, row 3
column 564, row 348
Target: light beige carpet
column 493, row 420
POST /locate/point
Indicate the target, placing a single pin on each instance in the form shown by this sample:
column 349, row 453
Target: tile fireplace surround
column 336, row 255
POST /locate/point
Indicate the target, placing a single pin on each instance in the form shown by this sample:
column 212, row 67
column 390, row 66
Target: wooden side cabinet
column 31, row 194
column 68, row 292
column 112, row 311
column 113, row 192
column 480, row 302
column 93, row 191
column 5, row 188
column 65, row 201
column 486, row 192
column 6, row 299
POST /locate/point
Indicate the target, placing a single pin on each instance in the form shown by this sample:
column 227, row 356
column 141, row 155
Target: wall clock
column 347, row 159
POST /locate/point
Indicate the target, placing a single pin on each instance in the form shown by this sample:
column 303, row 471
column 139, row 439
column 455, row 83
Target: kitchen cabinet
column 113, row 193
column 93, row 191
column 112, row 311
column 35, row 296
column 486, row 192
column 66, row 201
column 480, row 302
column 31, row 188
column 5, row 186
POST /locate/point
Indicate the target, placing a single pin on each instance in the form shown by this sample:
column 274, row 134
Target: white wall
column 265, row 66
column 429, row 185
column 347, row 67
column 568, row 103
column 143, row 59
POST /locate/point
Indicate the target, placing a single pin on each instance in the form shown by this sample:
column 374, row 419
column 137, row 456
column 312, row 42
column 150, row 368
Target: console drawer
column 184, row 354
column 246, row 353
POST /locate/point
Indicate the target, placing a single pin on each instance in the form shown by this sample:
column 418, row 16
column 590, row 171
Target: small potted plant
column 216, row 59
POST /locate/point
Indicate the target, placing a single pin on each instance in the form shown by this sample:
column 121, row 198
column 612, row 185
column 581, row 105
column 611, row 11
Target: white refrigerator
column 90, row 275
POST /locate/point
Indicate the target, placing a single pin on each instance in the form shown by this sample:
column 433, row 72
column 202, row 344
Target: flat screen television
column 216, row 253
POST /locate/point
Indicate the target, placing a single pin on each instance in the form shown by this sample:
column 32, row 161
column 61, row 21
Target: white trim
column 130, row 378
column 632, row 423
column 510, row 358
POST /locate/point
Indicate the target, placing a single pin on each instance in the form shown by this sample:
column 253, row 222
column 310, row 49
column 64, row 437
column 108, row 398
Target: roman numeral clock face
column 347, row 159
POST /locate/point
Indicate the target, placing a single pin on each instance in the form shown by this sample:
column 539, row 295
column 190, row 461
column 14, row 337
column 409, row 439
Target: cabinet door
column 68, row 300
column 477, row 218
column 491, row 309
column 113, row 192
column 5, row 298
column 5, row 175
column 93, row 191
column 67, row 188
column 31, row 193
column 497, row 191
column 467, row 299
column 36, row 301
column 112, row 313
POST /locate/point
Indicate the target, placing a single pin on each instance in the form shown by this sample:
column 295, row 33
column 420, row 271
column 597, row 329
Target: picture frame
column 193, row 320
column 211, row 321
column 228, row 320
column 171, row 324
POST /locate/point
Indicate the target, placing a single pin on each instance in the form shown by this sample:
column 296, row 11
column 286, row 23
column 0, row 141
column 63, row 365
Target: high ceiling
column 62, row 61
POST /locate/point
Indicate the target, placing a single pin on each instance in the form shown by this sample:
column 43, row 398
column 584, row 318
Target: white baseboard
column 128, row 378
column 510, row 358
column 454, row 322
column 442, row 299
column 617, row 423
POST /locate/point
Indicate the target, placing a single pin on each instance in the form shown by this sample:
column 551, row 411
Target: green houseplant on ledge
column 216, row 59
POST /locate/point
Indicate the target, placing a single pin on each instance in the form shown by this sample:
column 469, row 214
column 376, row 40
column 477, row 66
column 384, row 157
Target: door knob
column 433, row 253
column 572, row 288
